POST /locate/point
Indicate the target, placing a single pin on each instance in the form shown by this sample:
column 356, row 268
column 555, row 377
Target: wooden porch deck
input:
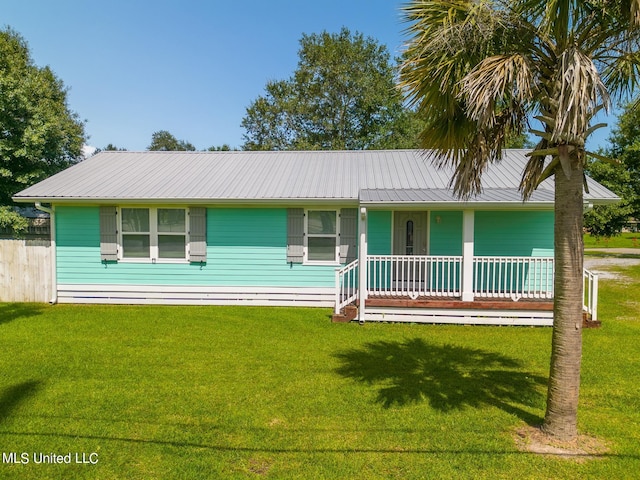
column 457, row 303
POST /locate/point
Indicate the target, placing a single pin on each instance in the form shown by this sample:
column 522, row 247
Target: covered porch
column 431, row 289
column 463, row 289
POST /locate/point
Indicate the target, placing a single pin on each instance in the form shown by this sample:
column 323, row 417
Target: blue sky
column 191, row 67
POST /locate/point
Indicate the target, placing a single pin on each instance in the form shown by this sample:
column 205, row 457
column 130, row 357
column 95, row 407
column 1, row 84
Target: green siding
column 379, row 232
column 445, row 233
column 518, row 233
column 245, row 247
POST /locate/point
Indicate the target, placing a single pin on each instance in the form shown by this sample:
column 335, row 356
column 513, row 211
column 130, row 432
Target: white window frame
column 307, row 235
column 154, row 251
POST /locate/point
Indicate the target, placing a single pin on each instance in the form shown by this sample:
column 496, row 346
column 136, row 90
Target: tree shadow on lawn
column 448, row 377
column 14, row 395
column 14, row 311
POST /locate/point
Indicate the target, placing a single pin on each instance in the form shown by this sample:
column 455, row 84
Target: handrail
column 414, row 275
column 513, row 277
column 347, row 290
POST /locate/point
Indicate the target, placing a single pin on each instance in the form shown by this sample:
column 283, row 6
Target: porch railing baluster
column 441, row 276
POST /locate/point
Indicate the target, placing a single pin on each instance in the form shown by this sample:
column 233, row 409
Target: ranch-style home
column 376, row 235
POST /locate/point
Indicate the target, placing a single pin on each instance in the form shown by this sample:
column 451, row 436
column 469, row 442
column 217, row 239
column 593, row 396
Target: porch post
column 362, row 262
column 467, row 255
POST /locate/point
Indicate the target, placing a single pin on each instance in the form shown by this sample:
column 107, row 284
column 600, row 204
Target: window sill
column 163, row 261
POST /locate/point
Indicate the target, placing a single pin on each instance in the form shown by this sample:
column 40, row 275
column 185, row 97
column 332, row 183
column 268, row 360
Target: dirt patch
column 259, row 466
column 532, row 440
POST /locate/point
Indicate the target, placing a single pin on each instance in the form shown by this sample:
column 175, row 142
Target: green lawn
column 191, row 392
column 624, row 240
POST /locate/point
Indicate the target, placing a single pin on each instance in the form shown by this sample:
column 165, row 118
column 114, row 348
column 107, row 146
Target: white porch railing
column 513, row 277
column 414, row 276
column 347, row 290
column 590, row 303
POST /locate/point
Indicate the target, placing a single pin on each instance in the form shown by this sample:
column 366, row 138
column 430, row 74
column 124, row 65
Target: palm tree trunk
column 561, row 418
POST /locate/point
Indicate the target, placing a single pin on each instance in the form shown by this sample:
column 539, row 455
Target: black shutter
column 108, row 233
column 295, row 235
column 348, row 235
column 197, row 234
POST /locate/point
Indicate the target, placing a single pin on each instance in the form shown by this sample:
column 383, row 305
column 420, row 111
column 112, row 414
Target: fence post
column 594, row 299
column 336, row 308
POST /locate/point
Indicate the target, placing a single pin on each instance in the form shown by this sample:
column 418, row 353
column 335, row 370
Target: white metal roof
column 370, row 176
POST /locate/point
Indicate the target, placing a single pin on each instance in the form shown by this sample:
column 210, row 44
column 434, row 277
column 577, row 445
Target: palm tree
column 480, row 72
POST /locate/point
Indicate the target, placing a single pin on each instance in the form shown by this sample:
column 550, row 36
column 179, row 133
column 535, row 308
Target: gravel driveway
column 602, row 265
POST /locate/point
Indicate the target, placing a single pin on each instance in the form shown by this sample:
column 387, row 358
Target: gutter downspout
column 52, row 226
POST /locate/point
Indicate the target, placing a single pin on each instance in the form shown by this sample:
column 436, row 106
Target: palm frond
column 580, row 91
column 498, row 82
column 533, row 170
column 621, row 73
column 603, row 158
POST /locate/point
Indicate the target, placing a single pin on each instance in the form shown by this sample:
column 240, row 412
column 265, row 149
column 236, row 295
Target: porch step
column 455, row 311
column 348, row 313
column 588, row 322
column 452, row 303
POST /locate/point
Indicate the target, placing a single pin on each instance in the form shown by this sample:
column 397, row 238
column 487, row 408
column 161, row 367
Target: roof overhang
column 184, row 201
column 444, row 199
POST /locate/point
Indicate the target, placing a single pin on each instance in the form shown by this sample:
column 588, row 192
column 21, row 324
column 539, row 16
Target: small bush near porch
column 215, row 392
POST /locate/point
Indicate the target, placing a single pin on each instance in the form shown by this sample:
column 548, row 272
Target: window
column 154, row 234
column 409, row 238
column 172, row 233
column 322, row 243
column 136, row 234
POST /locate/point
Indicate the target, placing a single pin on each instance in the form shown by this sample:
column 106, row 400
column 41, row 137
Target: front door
column 409, row 238
column 410, row 233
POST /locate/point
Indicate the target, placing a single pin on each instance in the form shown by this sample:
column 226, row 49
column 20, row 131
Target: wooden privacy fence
column 25, row 270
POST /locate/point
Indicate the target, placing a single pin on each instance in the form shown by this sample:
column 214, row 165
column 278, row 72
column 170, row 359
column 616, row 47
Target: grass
column 229, row 392
column 624, row 240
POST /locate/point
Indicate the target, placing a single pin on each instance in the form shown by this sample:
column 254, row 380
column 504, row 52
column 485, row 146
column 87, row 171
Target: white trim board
column 197, row 295
column 460, row 316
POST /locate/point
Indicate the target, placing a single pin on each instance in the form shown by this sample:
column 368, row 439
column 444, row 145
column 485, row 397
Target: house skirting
column 197, row 295
column 459, row 316
column 454, row 311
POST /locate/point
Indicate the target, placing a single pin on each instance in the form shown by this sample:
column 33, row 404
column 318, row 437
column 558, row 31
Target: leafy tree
column 621, row 176
column 221, row 148
column 109, row 148
column 520, row 141
column 162, row 140
column 477, row 70
column 608, row 220
column 12, row 220
column 39, row 135
column 341, row 96
column 625, row 147
column 112, row 148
